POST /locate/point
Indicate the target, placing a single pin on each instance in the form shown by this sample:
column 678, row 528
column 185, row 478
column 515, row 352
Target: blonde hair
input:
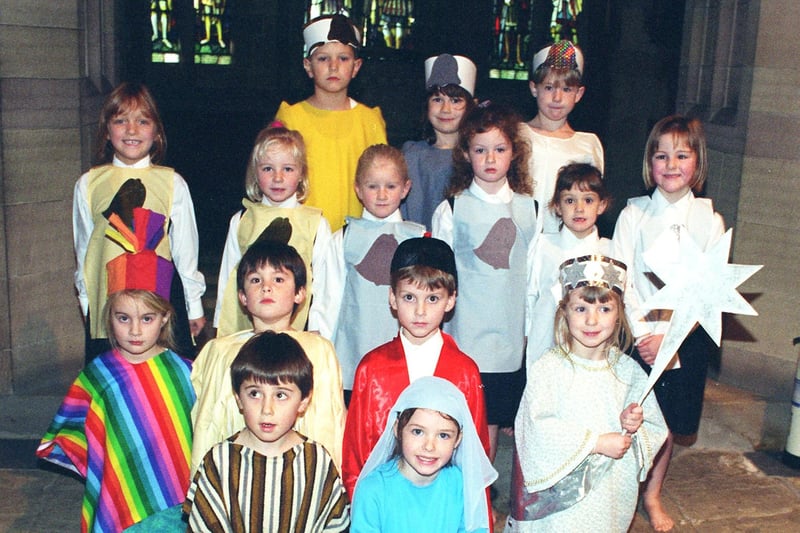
column 126, row 97
column 150, row 300
column 621, row 338
column 690, row 129
column 383, row 152
column 269, row 139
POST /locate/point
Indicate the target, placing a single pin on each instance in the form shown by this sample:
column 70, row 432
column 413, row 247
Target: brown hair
column 450, row 91
column 149, row 300
column 273, row 358
column 587, row 177
column 124, row 98
column 425, row 276
column 381, row 151
column 271, row 138
column 483, row 118
column 691, row 129
column 402, row 421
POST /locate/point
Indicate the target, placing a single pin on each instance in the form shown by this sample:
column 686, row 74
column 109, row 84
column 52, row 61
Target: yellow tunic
column 334, row 142
column 104, row 183
column 304, row 222
column 215, row 415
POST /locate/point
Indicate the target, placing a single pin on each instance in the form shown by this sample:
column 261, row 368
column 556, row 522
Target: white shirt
column 183, row 239
column 232, row 253
column 421, row 359
column 329, row 280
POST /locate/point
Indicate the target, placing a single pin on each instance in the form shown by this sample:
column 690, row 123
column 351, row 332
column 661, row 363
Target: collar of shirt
column 503, row 196
column 421, row 359
column 681, row 207
column 142, row 163
column 569, row 240
column 394, row 217
column 289, row 202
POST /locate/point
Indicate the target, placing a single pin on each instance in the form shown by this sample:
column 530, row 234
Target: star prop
column 698, row 289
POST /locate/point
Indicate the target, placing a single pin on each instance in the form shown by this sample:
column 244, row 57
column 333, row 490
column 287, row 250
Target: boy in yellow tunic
column 271, row 278
column 335, row 127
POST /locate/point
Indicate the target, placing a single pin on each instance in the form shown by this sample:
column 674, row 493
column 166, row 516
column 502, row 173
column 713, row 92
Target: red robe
column 380, row 378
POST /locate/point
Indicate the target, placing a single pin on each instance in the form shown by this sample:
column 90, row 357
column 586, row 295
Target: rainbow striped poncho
column 126, row 428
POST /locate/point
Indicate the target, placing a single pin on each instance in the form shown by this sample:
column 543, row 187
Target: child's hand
column 631, row 418
column 196, row 325
column 612, row 445
column 648, row 347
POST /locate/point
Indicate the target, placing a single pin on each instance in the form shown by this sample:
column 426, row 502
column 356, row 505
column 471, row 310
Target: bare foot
column 659, row 519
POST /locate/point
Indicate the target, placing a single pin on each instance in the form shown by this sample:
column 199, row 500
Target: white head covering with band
column 328, row 29
column 562, row 55
column 438, row 394
column 445, row 69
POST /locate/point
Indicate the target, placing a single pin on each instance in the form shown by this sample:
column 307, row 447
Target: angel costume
column 567, row 404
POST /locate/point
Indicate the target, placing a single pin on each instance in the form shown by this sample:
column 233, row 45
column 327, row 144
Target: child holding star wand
column 675, row 165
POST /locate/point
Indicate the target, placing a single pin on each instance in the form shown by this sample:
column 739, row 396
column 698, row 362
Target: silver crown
column 592, row 271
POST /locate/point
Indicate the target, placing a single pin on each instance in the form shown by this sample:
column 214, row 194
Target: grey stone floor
column 730, row 480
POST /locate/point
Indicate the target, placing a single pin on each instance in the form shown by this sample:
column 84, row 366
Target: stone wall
column 41, row 335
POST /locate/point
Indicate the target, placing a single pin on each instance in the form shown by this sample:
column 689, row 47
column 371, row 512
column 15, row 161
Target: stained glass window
column 205, row 24
column 166, row 44
column 521, row 27
column 212, row 43
column 383, row 23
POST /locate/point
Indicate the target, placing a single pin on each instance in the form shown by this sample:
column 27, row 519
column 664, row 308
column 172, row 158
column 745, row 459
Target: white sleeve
column 231, row 255
column 328, row 288
column 321, row 241
column 184, row 245
column 624, row 246
column 442, row 223
column 82, row 227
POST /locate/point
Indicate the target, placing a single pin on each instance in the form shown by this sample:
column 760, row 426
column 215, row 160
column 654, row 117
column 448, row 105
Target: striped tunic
column 126, row 429
column 236, row 489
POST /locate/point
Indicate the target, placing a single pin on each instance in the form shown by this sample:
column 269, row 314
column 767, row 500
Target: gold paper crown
column 592, row 271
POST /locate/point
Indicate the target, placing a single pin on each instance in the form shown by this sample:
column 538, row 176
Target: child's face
column 490, row 154
column 131, row 133
column 382, row 188
column 555, row 99
column 269, row 295
column 279, row 173
column 136, row 329
column 591, row 325
column 332, row 66
column 445, row 112
column 579, row 210
column 427, row 441
column 674, row 164
column 269, row 413
column 420, row 310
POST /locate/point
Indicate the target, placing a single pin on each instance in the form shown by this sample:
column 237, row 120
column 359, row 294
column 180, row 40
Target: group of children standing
column 311, row 411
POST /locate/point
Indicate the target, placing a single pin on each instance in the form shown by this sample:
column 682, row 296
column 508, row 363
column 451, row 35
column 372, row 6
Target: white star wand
column 698, row 289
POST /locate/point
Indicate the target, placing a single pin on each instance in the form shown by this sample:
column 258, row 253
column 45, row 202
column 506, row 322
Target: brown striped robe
column 236, row 489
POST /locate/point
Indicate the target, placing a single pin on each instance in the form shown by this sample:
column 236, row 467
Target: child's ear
column 307, row 67
column 301, row 409
column 602, row 207
column 238, row 401
column 242, row 298
column 300, row 295
column 532, row 87
column 406, row 187
column 356, row 67
column 392, row 299
column 451, row 303
column 579, row 93
column 394, row 430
